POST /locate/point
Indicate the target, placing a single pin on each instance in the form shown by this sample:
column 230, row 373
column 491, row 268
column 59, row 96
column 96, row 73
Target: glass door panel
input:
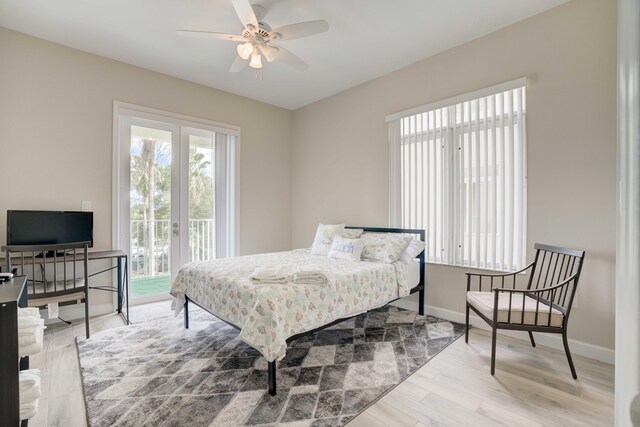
column 150, row 211
column 201, row 195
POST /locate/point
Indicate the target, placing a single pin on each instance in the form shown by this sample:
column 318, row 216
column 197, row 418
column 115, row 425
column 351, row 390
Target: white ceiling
column 366, row 39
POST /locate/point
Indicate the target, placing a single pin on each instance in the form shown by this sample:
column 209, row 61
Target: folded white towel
column 31, row 349
column 29, row 378
column 309, row 274
column 308, row 268
column 318, row 279
column 275, row 280
column 269, row 271
column 29, row 312
column 28, row 410
column 29, row 381
column 32, row 395
column 30, row 329
column 27, row 323
column 269, row 275
column 25, row 339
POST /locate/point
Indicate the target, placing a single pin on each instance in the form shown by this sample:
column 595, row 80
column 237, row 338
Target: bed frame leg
column 272, row 378
column 186, row 312
column 421, row 303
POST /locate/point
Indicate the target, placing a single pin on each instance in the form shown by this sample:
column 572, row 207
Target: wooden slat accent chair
column 55, row 273
column 543, row 306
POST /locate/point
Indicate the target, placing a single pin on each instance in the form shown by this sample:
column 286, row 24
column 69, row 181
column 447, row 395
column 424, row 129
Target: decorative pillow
column 352, row 233
column 413, row 250
column 348, row 249
column 324, row 238
column 384, row 247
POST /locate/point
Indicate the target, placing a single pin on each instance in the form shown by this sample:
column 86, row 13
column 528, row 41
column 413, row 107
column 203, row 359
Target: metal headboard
column 417, row 232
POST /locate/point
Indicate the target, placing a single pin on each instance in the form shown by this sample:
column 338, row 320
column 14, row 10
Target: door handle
column 175, row 229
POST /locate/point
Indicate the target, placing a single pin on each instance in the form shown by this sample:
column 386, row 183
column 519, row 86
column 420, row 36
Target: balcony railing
column 150, row 245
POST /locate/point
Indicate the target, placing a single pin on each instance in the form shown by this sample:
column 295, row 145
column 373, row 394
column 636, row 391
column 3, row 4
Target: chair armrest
column 495, row 278
column 502, row 274
column 551, row 297
column 540, row 290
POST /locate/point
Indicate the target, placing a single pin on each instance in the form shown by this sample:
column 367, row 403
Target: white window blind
column 226, row 195
column 458, row 170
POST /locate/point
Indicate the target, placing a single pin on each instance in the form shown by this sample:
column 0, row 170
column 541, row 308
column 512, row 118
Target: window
column 458, row 170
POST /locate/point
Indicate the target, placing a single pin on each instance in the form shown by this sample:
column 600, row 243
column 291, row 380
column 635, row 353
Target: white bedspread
column 268, row 314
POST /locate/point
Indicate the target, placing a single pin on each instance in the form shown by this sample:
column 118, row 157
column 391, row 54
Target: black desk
column 122, row 270
column 121, row 267
column 12, row 295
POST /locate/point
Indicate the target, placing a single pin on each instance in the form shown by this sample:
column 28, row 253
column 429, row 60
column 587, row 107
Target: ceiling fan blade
column 238, row 65
column 245, row 12
column 270, row 52
column 210, row 35
column 290, row 59
column 302, row 29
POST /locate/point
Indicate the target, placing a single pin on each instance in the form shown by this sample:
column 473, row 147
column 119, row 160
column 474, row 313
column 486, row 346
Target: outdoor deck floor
column 150, row 285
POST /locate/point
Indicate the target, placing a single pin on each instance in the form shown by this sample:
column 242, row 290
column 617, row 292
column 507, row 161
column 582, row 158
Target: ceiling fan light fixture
column 245, row 50
column 257, row 36
column 256, row 61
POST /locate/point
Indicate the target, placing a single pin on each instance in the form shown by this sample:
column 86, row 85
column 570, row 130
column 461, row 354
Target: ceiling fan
column 257, row 37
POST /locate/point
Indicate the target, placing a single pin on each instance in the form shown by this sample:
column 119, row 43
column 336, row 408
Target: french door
column 175, row 195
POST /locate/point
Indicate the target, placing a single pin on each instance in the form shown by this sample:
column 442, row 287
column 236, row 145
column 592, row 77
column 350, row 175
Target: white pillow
column 324, row 238
column 352, row 233
column 384, row 247
column 413, row 250
column 348, row 249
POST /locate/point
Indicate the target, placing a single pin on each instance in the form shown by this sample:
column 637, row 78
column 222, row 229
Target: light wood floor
column 532, row 387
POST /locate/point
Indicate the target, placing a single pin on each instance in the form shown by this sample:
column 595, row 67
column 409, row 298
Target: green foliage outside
column 201, row 200
column 201, row 193
column 151, row 200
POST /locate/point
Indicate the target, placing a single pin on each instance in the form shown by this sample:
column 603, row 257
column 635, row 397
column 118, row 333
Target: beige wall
column 328, row 162
column 56, row 137
column 568, row 54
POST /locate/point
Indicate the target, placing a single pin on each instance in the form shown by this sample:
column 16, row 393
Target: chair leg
column 466, row 331
column 533, row 342
column 566, row 349
column 494, row 336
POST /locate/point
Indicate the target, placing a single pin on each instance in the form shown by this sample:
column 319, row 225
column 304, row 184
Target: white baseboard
column 581, row 348
column 76, row 311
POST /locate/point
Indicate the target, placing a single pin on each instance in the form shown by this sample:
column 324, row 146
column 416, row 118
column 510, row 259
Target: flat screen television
column 49, row 227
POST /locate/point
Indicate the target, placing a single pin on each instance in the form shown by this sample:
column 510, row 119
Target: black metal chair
column 543, row 306
column 52, row 273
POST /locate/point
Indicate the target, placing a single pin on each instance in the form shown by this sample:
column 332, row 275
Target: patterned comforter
column 268, row 314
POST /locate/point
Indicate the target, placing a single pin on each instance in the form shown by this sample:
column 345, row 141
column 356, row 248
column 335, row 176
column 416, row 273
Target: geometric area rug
column 157, row 373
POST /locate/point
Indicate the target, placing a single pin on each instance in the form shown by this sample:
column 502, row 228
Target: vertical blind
column 226, row 195
column 458, row 170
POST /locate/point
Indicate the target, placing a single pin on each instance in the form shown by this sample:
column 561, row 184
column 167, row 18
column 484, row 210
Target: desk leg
column 119, row 263
column 126, row 285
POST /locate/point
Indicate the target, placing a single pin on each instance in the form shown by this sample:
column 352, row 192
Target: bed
column 269, row 316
